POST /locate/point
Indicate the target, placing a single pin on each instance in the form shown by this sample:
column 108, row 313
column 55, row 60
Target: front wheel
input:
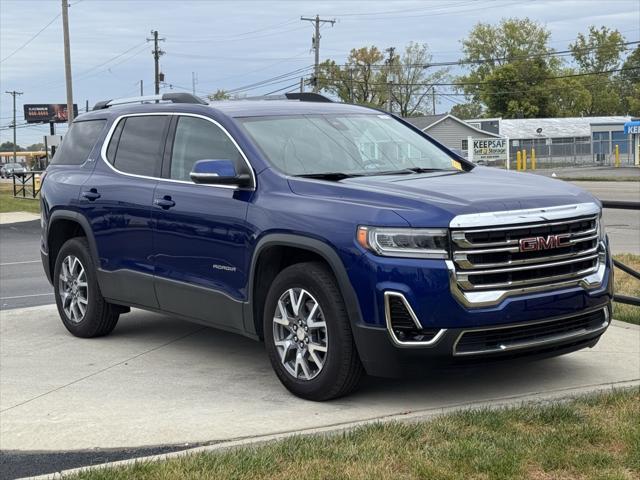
column 308, row 334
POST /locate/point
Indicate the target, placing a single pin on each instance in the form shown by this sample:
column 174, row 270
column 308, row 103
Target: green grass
column 627, row 285
column 595, row 437
column 10, row 204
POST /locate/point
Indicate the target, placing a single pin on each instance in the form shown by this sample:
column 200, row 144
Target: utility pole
column 316, row 45
column 433, row 98
column 194, row 81
column 141, row 88
column 13, row 93
column 157, row 53
column 67, row 59
column 301, row 84
column 391, row 51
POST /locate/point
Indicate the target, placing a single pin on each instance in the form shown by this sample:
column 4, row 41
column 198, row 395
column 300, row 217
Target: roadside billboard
column 489, row 151
column 47, row 112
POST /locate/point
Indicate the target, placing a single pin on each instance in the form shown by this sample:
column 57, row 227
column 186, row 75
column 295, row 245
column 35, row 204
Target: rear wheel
column 83, row 310
column 308, row 334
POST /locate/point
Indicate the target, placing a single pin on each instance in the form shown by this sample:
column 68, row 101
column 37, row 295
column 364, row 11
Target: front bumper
column 381, row 357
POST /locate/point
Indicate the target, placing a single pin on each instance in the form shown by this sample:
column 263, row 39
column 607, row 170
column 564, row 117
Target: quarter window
column 78, row 142
column 199, row 139
column 140, row 146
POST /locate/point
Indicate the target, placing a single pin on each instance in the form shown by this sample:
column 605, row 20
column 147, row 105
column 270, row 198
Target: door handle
column 165, row 202
column 91, row 194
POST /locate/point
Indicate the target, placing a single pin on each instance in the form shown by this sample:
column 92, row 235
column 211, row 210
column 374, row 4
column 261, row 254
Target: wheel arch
column 317, row 250
column 66, row 224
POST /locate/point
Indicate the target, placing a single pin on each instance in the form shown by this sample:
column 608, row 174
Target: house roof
column 517, row 128
column 425, row 120
column 431, row 121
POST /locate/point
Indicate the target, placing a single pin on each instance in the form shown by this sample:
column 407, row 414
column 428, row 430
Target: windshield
column 368, row 144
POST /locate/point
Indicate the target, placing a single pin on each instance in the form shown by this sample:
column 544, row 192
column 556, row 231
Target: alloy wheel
column 73, row 288
column 300, row 334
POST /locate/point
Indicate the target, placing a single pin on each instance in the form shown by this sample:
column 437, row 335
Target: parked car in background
column 348, row 240
column 9, row 169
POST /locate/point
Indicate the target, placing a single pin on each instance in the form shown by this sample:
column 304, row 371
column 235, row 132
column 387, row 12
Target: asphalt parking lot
column 157, row 383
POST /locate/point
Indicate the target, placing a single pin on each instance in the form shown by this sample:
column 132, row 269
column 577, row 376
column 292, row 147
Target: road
column 21, row 276
column 23, row 283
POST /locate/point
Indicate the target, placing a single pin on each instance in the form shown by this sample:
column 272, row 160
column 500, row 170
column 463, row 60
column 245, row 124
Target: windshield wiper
column 429, row 170
column 335, row 176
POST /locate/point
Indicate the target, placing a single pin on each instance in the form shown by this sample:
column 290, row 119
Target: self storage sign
column 490, row 149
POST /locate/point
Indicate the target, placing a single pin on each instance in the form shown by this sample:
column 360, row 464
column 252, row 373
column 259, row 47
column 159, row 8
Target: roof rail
column 307, row 97
column 178, row 97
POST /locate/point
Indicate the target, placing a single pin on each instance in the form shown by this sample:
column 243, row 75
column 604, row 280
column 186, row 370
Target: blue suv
column 347, row 240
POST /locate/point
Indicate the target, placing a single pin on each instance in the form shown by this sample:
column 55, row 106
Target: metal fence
column 574, row 152
column 26, row 185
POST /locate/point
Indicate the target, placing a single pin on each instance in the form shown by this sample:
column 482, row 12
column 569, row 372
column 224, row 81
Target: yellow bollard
column 518, row 160
column 37, row 183
column 617, row 156
column 524, row 160
column 533, row 159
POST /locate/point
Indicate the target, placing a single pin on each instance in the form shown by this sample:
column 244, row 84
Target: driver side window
column 199, row 139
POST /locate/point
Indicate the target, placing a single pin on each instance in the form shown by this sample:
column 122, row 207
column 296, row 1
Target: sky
column 233, row 44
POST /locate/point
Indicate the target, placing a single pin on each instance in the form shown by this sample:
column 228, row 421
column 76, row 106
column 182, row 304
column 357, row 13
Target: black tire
column 342, row 370
column 99, row 318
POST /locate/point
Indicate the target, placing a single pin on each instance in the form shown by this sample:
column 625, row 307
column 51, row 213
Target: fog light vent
column 403, row 324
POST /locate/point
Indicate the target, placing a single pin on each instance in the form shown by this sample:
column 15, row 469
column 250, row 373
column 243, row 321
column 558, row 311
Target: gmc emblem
column 533, row 244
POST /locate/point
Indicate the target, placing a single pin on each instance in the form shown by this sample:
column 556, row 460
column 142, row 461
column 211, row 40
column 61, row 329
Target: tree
column 510, row 68
column 360, row 80
column 629, row 81
column 466, row 111
column 36, row 147
column 8, row 147
column 220, row 94
column 600, row 50
column 412, row 85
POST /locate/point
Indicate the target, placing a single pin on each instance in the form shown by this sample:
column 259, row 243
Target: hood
column 433, row 199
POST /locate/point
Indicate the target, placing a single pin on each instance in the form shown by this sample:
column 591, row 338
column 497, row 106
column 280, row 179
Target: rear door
column 118, row 200
column 200, row 240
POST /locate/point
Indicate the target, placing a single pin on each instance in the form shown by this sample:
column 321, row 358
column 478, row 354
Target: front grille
column 401, row 322
column 521, row 336
column 490, row 258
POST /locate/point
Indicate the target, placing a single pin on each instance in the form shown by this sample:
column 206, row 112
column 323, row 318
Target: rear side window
column 78, row 143
column 139, row 145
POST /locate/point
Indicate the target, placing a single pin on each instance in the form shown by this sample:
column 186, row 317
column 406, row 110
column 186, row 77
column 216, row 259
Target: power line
column 496, row 59
column 263, row 82
column 31, row 39
column 522, row 80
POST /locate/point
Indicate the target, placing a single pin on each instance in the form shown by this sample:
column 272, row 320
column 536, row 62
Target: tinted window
column 141, row 145
column 198, row 139
column 78, row 143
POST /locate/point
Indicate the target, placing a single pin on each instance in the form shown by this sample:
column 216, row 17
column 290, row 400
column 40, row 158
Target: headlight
column 602, row 234
column 405, row 242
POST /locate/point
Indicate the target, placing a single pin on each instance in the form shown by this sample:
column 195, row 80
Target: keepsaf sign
column 489, row 150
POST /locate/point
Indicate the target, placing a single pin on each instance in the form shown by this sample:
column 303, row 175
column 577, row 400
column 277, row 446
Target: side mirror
column 218, row 172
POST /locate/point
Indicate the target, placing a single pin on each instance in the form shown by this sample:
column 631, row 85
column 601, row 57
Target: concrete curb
column 17, row 217
column 561, row 395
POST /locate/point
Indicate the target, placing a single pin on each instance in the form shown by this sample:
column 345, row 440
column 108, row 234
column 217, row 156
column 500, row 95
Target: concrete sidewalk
column 157, row 380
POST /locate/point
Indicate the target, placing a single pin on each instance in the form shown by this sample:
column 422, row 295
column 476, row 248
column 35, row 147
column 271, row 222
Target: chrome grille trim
column 549, row 340
column 467, row 284
column 462, row 258
column 486, row 267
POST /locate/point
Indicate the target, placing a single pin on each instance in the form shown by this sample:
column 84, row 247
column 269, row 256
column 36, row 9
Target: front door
column 200, row 238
